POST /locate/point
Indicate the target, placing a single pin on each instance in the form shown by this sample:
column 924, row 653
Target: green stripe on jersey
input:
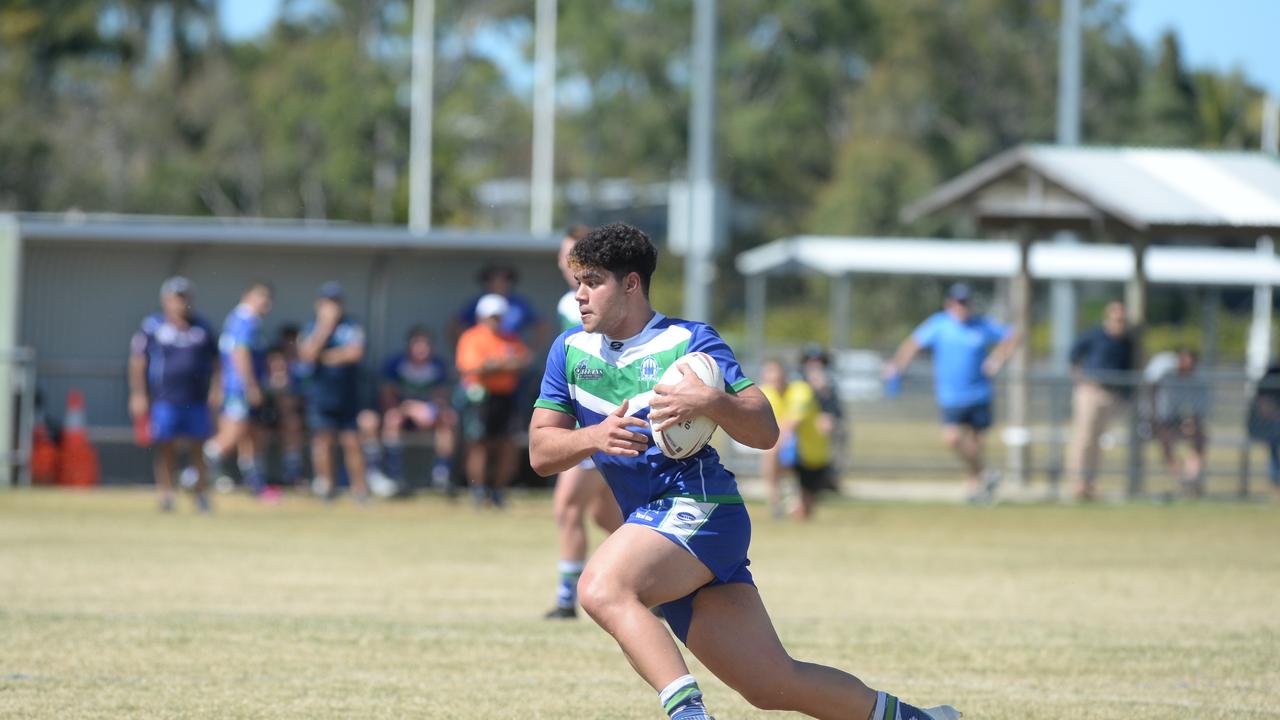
column 552, row 405
column 741, row 385
column 614, row 384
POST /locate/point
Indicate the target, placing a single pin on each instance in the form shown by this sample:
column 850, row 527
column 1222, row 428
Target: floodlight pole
column 422, row 83
column 10, row 297
column 702, row 200
column 1063, row 292
column 1271, row 125
column 542, row 180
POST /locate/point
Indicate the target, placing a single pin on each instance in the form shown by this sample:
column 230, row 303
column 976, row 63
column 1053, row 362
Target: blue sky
column 1220, row 34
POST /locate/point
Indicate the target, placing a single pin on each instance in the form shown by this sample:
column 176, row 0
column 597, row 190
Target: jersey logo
column 650, row 371
column 582, row 372
column 615, row 345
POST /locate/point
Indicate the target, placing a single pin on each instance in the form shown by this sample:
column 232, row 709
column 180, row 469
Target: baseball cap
column 176, row 285
column 813, row 351
column 960, row 292
column 490, row 305
column 331, row 290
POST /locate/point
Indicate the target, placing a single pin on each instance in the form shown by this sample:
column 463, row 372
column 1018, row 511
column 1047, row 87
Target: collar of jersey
column 608, row 341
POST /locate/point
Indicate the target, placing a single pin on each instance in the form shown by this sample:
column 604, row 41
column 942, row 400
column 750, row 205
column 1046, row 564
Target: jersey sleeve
column 705, row 339
column 927, row 333
column 555, row 381
column 140, row 343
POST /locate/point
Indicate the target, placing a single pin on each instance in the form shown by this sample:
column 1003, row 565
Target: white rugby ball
column 686, row 438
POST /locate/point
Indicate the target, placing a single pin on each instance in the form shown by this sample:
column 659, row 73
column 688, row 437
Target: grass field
column 431, row 610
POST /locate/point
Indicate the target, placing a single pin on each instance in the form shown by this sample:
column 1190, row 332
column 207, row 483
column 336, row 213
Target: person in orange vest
column 490, row 361
column 172, row 363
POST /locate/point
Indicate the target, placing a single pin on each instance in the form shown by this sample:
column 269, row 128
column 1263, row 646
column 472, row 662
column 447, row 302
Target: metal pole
column 542, row 180
column 1258, row 348
column 421, row 98
column 10, row 299
column 1271, row 125
column 840, row 312
column 756, row 297
column 1062, row 293
column 702, row 172
column 1069, row 74
column 1136, row 303
column 1017, row 434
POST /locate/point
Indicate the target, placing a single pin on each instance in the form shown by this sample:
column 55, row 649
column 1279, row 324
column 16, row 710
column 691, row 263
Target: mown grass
column 426, row 609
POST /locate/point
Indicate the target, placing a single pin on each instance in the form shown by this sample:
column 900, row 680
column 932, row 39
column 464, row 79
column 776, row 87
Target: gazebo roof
column 1151, row 191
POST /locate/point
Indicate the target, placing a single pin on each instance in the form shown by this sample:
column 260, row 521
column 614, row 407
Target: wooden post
column 1017, row 432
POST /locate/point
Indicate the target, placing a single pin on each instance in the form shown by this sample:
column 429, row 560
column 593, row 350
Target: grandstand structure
column 77, row 286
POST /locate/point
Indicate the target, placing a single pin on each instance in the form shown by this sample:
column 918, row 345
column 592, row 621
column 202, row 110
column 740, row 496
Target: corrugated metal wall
column 82, row 302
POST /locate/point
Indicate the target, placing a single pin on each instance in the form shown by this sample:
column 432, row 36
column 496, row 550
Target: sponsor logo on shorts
column 686, row 516
column 582, row 372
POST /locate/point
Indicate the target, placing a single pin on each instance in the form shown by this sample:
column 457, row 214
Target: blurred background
column 399, row 146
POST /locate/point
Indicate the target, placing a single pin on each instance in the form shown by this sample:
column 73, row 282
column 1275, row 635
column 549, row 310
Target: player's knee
column 367, row 421
column 598, row 595
column 951, row 439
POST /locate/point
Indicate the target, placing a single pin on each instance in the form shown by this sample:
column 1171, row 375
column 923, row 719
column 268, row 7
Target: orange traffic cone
column 44, row 456
column 79, row 466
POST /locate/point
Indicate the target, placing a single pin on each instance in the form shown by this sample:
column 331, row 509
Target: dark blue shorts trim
column 976, row 416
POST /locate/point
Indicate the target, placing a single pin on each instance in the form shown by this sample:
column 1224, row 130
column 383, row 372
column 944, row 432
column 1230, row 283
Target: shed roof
column 999, row 258
column 1150, row 190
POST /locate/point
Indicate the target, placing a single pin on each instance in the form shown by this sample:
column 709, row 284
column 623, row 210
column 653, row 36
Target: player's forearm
column 137, row 375
column 555, row 449
column 747, row 417
column 312, row 346
column 342, row 356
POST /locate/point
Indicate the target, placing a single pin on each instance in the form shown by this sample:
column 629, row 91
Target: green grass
column 424, row 609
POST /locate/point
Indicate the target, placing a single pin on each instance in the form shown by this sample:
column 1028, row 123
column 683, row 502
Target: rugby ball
column 684, row 439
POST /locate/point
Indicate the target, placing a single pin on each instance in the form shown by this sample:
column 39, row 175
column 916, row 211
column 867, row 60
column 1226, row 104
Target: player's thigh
column 574, row 488
column 732, row 635
column 604, row 506
column 420, row 412
column 640, row 561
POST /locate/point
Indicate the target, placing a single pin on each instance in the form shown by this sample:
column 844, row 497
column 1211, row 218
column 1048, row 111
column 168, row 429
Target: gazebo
column 1204, row 207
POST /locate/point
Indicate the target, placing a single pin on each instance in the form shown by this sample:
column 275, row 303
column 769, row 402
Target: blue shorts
column 976, row 416
column 332, row 420
column 235, row 406
column 170, row 421
column 718, row 534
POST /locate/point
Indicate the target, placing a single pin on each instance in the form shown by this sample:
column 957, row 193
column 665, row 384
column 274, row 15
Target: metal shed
column 82, row 283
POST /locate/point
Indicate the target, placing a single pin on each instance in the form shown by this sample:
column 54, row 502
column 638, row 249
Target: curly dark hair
column 618, row 248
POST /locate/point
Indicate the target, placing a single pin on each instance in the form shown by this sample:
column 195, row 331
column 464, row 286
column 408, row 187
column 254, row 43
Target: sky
column 1218, row 34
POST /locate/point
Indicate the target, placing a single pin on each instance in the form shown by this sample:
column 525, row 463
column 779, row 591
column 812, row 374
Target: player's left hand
column 682, row 401
column 990, row 367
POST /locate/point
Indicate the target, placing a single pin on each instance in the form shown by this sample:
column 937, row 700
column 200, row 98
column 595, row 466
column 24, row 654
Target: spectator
column 490, row 361
column 332, row 346
column 773, row 383
column 172, row 361
column 1264, row 421
column 243, row 348
column 520, row 319
column 292, row 406
column 414, row 393
column 968, row 350
column 282, row 412
column 1102, row 363
column 813, row 415
column 1180, row 404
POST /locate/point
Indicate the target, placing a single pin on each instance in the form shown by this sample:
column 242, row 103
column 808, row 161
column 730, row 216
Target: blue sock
column 682, row 699
column 251, row 473
column 393, row 461
column 567, row 591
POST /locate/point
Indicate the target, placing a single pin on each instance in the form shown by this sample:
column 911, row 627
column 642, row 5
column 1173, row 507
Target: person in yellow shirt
column 812, row 417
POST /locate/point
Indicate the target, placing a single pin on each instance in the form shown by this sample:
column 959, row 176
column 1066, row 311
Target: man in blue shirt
column 413, row 393
column 968, row 350
column 243, row 346
column 172, row 362
column 520, row 319
column 333, row 346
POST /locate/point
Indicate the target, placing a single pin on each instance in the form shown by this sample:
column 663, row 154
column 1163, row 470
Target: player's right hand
column 138, row 405
column 254, row 396
column 613, row 436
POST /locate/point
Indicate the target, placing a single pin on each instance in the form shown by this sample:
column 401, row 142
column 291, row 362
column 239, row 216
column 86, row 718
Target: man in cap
column 968, row 350
column 172, row 361
column 332, row 347
column 490, row 361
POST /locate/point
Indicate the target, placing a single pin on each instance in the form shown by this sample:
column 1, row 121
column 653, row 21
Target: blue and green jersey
column 588, row 376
